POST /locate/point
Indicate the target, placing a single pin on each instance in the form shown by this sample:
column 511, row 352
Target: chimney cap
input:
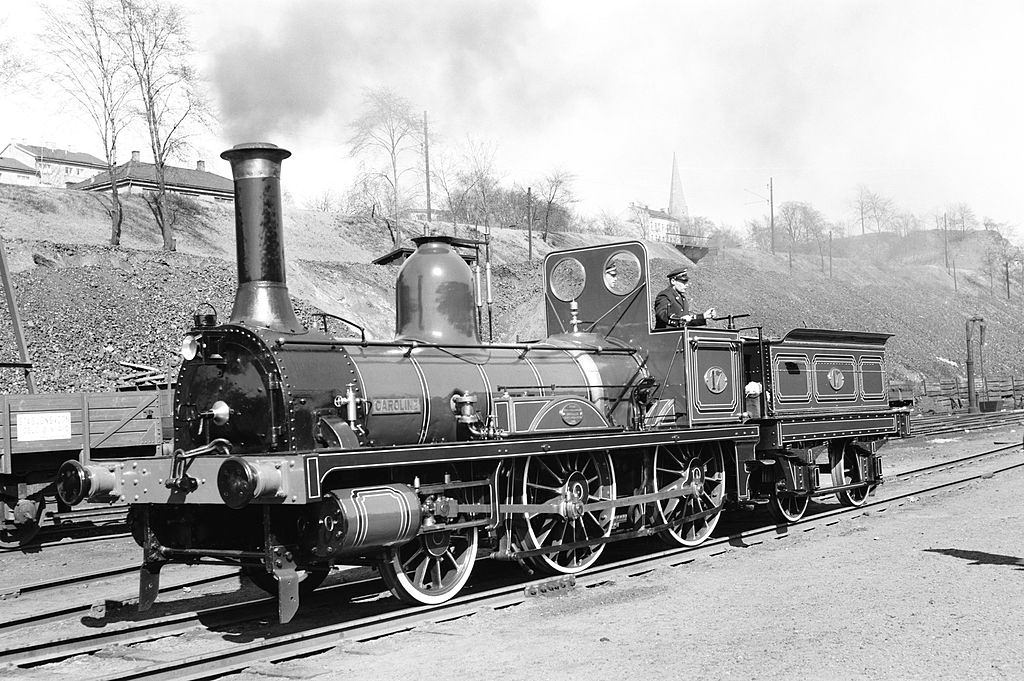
column 239, row 149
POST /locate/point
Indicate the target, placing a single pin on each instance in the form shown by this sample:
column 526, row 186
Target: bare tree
column 610, row 223
column 555, row 190
column 905, row 223
column 12, row 64
column 368, row 197
column 153, row 37
column 481, row 173
column 802, row 223
column 456, row 185
column 386, row 132
column 323, row 202
column 759, row 233
column 962, row 215
column 873, row 208
column 92, row 70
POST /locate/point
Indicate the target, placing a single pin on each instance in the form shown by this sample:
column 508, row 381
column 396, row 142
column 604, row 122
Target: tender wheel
column 569, row 483
column 266, row 581
column 846, row 471
column 788, row 508
column 431, row 568
column 23, row 528
column 701, row 471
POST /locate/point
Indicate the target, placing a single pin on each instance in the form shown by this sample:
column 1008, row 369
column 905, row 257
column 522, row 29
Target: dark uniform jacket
column 669, row 309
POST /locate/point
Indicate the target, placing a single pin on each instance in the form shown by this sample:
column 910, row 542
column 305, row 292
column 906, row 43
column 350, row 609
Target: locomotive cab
column 694, row 374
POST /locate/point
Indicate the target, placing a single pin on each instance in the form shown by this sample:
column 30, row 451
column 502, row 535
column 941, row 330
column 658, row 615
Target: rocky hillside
column 86, row 306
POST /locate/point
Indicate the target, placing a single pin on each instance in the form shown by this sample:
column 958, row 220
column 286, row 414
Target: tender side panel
column 818, row 378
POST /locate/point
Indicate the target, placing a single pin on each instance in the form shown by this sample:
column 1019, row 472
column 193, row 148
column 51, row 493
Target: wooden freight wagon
column 40, row 432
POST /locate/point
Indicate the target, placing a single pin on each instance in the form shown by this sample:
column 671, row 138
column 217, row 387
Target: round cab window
column 621, row 273
column 567, row 279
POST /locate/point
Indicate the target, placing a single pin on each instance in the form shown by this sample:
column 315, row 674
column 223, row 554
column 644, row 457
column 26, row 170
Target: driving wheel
column 566, row 484
column 700, row 472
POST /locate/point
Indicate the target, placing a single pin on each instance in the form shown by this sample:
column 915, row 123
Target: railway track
column 930, row 426
column 372, row 616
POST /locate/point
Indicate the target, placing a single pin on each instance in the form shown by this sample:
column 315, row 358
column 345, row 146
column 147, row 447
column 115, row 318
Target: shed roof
column 62, row 155
column 14, row 165
column 175, row 178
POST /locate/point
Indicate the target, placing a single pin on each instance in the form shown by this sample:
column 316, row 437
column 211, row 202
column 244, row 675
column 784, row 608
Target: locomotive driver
column 672, row 307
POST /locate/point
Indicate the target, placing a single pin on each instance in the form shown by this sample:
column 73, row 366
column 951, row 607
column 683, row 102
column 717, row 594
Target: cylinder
column 354, row 520
column 262, row 296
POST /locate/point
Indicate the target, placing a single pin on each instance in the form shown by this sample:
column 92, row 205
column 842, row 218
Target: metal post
column 12, row 308
column 529, row 225
column 426, row 162
column 830, row 254
column 945, row 240
column 972, row 392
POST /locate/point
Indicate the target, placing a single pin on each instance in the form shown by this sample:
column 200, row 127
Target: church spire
column 676, row 200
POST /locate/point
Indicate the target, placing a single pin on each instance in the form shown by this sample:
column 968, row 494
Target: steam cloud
column 468, row 59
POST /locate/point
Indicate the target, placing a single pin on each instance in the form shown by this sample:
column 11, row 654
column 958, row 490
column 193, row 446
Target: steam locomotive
column 296, row 449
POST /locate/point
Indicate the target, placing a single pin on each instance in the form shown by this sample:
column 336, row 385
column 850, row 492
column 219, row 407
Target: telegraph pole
column 529, row 224
column 426, row 161
column 945, row 240
column 771, row 205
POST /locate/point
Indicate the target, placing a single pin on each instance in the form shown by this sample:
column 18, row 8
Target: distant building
column 56, row 167
column 13, row 171
column 655, row 225
column 135, row 177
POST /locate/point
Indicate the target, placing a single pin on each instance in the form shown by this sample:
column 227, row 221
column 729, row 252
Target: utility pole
column 945, row 240
column 830, row 254
column 19, row 335
column 426, row 161
column 529, row 225
column 1007, row 279
column 771, row 206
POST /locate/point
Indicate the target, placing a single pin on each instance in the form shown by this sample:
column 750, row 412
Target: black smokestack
column 262, row 296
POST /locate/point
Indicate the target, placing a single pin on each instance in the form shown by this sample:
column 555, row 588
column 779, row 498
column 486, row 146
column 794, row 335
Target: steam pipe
column 262, row 297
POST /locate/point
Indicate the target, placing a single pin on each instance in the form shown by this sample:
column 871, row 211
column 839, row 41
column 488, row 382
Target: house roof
column 16, row 166
column 134, row 172
column 660, row 215
column 62, row 155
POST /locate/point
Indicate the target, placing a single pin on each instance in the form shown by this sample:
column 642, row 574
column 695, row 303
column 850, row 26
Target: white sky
column 921, row 101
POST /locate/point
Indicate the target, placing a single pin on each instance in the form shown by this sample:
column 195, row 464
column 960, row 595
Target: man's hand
column 710, row 313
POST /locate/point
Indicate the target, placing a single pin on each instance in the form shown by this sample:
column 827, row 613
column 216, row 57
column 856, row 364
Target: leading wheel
column 846, row 470
column 431, row 568
column 788, row 508
column 24, row 526
column 566, row 484
column 700, row 471
column 266, row 580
